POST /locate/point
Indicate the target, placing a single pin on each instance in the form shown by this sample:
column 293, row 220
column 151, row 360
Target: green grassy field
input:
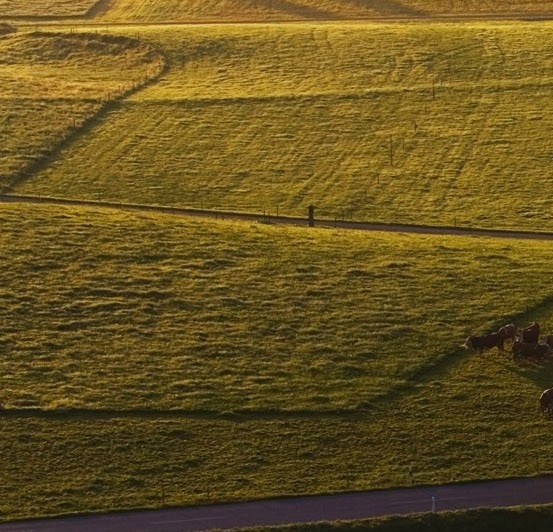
column 53, row 85
column 152, row 360
column 278, row 117
column 286, row 321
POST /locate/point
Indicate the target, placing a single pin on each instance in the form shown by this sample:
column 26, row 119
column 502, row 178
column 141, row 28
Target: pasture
column 150, row 359
column 408, row 123
column 54, row 84
column 278, row 10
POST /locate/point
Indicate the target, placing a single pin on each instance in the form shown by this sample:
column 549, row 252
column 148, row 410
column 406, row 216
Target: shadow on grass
column 299, row 11
column 106, row 106
column 540, row 372
column 389, row 7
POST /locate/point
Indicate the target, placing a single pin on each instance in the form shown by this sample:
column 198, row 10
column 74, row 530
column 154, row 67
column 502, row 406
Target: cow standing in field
column 491, row 340
column 485, row 342
column 546, row 402
column 530, row 334
column 533, row 350
column 509, row 331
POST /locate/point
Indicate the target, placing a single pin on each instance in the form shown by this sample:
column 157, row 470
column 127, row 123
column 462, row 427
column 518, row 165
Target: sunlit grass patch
column 53, row 84
column 45, row 8
column 442, row 127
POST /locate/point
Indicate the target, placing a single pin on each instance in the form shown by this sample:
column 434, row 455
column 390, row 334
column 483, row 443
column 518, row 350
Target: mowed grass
column 413, row 123
column 53, row 85
column 263, row 10
column 155, row 360
column 45, row 8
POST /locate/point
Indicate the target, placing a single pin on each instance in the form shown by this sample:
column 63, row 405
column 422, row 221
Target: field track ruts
column 284, row 220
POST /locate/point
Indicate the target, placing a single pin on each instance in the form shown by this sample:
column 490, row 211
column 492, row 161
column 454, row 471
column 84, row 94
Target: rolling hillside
column 151, row 360
column 275, row 118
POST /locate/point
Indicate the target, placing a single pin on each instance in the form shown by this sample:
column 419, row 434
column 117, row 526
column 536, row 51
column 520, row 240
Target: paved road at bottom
column 347, row 506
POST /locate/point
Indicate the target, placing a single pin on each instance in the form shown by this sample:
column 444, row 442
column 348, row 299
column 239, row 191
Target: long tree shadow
column 372, row 8
column 99, row 8
column 539, row 372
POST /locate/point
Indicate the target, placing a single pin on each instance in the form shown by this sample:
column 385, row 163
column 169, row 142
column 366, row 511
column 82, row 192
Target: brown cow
column 484, row 342
column 530, row 334
column 531, row 350
column 509, row 331
column 546, row 402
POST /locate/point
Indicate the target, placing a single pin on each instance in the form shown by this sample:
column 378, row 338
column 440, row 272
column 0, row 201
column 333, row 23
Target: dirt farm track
column 285, row 220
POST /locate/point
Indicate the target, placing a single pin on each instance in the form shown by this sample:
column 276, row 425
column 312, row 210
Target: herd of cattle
column 527, row 343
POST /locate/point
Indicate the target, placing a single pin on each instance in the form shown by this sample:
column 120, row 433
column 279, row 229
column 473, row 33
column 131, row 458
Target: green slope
column 54, row 84
column 438, row 124
column 129, row 339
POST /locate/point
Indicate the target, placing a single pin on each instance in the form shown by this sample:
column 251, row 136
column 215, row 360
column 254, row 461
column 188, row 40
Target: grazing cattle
column 530, row 334
column 546, row 402
column 509, row 331
column 484, row 342
column 531, row 350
